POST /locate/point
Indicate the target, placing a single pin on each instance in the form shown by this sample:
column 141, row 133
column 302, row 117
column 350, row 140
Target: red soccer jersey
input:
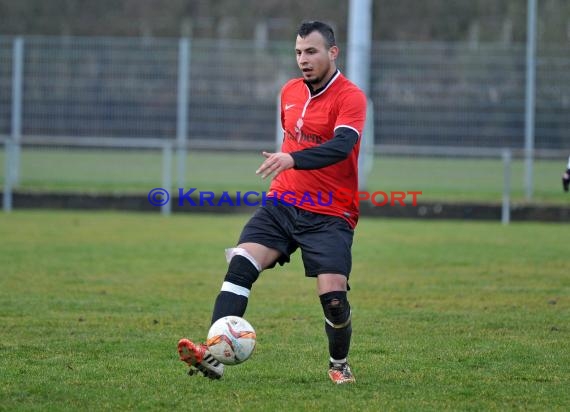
column 308, row 121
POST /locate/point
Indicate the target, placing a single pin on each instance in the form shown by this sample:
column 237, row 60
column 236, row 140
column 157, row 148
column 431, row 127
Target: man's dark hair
column 307, row 27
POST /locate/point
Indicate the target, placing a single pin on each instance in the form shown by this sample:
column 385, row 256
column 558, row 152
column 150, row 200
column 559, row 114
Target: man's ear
column 333, row 52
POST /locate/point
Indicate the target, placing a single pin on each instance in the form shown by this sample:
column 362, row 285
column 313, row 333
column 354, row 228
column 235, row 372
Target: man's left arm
column 316, row 157
column 327, row 153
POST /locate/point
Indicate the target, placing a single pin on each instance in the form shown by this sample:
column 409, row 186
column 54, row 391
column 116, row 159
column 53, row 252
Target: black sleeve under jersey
column 327, row 153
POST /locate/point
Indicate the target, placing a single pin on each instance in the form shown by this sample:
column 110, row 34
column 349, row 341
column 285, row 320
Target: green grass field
column 446, row 179
column 447, row 316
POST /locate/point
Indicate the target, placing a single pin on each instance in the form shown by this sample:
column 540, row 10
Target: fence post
column 530, row 96
column 359, row 43
column 182, row 108
column 506, row 209
column 13, row 148
column 278, row 127
column 366, row 155
column 7, row 195
column 167, row 176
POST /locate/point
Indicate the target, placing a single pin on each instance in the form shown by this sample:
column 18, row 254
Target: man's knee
column 336, row 309
column 243, row 271
column 331, row 283
column 263, row 256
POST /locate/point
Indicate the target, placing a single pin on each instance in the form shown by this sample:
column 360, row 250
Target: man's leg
column 246, row 261
column 332, row 289
column 270, row 225
column 326, row 243
column 243, row 270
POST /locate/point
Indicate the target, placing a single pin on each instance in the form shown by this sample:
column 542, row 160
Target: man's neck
column 324, row 85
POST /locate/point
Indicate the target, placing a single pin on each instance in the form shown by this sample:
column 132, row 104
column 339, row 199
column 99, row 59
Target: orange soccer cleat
column 199, row 359
column 340, row 373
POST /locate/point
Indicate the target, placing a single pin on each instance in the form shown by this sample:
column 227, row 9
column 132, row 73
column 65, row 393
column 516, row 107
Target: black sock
column 229, row 304
column 338, row 312
column 339, row 341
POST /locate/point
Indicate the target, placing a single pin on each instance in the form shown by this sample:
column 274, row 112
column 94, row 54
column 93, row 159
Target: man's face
column 317, row 63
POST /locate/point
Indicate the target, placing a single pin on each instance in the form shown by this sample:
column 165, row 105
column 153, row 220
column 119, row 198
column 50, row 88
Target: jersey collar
column 327, row 84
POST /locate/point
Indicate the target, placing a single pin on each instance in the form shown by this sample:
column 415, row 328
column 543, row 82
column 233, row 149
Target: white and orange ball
column 231, row 340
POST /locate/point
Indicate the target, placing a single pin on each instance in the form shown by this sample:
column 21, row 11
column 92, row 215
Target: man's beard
column 316, row 80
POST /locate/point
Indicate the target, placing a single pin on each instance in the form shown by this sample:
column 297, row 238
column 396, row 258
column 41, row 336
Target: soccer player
column 566, row 177
column 322, row 116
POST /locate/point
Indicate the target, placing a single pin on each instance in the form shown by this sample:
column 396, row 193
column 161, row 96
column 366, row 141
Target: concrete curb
column 424, row 210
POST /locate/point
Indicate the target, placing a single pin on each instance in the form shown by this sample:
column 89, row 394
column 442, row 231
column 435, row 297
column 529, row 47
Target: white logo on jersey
column 288, row 106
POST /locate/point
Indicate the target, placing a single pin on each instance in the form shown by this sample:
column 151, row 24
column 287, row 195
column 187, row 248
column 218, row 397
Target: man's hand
column 275, row 163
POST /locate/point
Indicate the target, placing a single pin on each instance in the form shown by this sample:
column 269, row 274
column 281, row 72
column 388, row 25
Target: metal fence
column 424, row 94
column 129, row 88
column 450, row 99
column 463, row 95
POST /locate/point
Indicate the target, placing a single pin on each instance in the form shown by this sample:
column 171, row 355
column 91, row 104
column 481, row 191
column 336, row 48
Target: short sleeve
column 352, row 111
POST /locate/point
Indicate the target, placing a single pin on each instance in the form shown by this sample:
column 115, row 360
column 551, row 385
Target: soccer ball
column 231, row 340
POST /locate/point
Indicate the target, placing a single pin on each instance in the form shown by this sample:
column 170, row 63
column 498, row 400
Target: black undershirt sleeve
column 327, row 153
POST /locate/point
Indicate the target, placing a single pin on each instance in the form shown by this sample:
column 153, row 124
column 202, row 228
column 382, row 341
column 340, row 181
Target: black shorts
column 325, row 241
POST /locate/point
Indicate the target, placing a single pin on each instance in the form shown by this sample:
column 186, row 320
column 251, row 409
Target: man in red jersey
column 322, row 116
